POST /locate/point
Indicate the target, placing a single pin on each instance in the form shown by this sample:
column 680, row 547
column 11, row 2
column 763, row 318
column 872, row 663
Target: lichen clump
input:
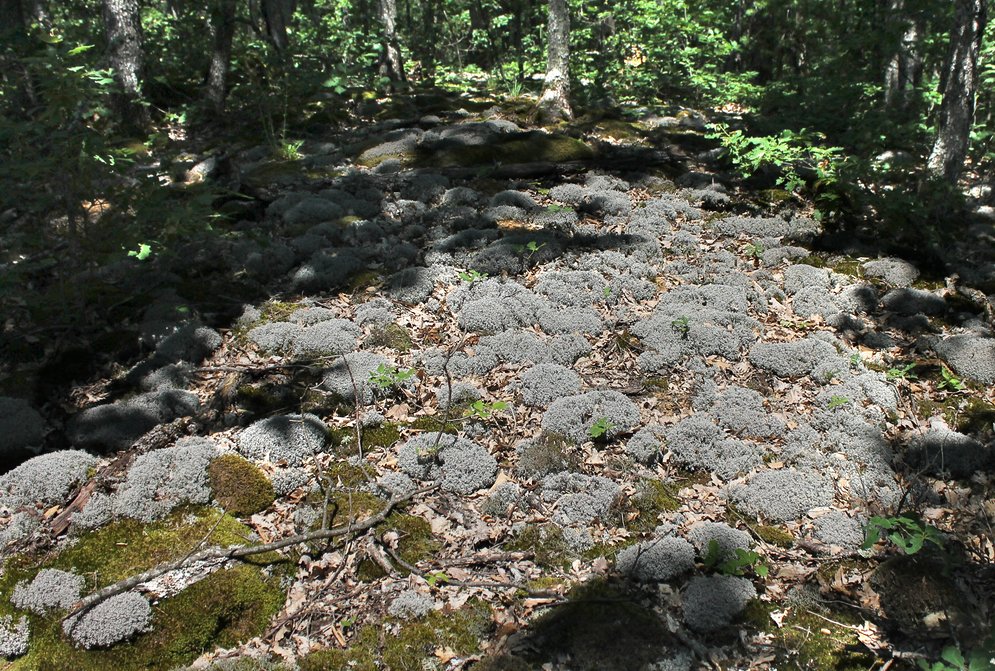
column 290, row 438
column 239, row 486
column 118, row 618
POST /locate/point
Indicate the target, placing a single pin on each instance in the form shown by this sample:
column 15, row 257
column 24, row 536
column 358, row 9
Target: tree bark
column 122, row 22
column 903, row 71
column 554, row 105
column 391, row 61
column 277, row 14
column 223, row 27
column 958, row 86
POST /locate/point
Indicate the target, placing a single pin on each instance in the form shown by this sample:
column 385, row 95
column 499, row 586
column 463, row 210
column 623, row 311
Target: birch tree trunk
column 958, row 86
column 122, row 23
column 223, row 27
column 391, row 61
column 554, row 105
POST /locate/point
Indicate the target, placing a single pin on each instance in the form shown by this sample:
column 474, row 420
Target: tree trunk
column 554, row 105
column 122, row 22
column 428, row 33
column 223, row 27
column 958, row 86
column 277, row 14
column 903, row 71
column 391, row 62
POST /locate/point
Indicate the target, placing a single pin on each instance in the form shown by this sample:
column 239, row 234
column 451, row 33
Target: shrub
column 239, row 486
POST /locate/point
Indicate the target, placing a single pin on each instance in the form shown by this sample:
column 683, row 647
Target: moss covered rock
column 239, row 486
column 379, row 646
column 223, row 609
column 534, row 147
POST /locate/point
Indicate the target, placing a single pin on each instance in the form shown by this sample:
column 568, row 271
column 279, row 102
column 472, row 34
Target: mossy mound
column 391, row 335
column 405, row 647
column 601, row 628
column 532, row 148
column 239, row 486
column 415, row 543
column 970, row 415
column 812, row 643
column 652, row 498
column 545, row 541
column 223, row 609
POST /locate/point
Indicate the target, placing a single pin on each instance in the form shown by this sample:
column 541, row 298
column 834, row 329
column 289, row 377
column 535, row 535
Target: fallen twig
column 238, row 552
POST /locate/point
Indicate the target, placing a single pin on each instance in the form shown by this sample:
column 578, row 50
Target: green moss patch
column 415, row 543
column 545, row 541
column 405, row 647
column 393, row 336
column 224, row 609
column 239, row 486
column 806, row 641
column 127, row 547
column 967, row 414
column 652, row 498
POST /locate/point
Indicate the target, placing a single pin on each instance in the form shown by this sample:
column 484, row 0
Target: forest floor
column 635, row 416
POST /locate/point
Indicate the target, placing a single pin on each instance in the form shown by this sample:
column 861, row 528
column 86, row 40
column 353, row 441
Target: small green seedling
column 743, row 561
column 290, row 150
column 143, row 252
column 600, row 428
column 484, row 410
column 436, row 578
column 682, row 325
column 558, row 208
column 755, row 251
column 387, row 376
column 950, row 381
column 908, row 534
column 854, row 360
column 837, row 401
column 902, row 372
column 472, row 276
column 606, row 291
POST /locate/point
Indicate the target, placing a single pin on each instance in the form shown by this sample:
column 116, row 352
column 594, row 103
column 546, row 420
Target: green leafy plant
column 952, row 659
column 143, row 252
column 600, row 428
column 907, row 533
column 902, row 372
column 532, row 247
column 483, row 410
column 682, row 325
column 437, row 578
column 755, row 251
column 950, row 381
column 738, row 565
column 387, row 376
column 790, row 152
column 606, row 292
column 472, row 276
column 837, row 401
column 290, row 150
